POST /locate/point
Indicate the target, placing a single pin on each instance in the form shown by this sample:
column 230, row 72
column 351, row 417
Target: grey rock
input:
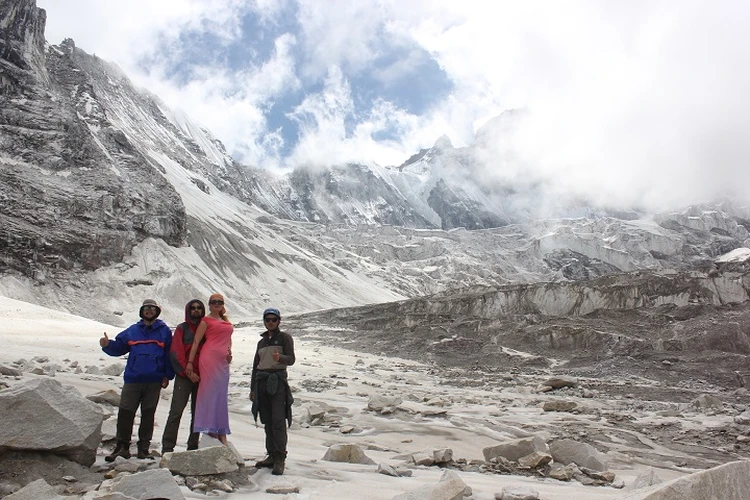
column 743, row 418
column 559, row 405
column 708, row 402
column 645, row 479
column 42, row 415
column 9, row 371
column 449, row 487
column 114, row 369
column 423, row 458
column 282, row 490
column 517, row 493
column 6, row 488
column 384, row 404
column 559, row 382
column 201, row 462
column 566, row 451
column 515, row 449
column 350, row 453
column 564, row 472
column 224, row 485
column 110, row 397
column 37, row 490
column 534, row 460
column 156, row 483
column 726, row 482
column 387, row 470
column 442, row 455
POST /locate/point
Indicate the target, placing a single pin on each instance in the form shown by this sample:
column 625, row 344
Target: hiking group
column 197, row 356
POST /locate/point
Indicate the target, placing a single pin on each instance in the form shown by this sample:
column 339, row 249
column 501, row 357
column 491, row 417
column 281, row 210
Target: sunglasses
column 149, row 308
column 269, row 319
column 196, row 308
column 216, row 302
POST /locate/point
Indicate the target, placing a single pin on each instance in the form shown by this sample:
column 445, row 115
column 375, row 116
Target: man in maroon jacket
column 184, row 387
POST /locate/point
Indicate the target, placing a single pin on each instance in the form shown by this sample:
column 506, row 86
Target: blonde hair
column 223, row 313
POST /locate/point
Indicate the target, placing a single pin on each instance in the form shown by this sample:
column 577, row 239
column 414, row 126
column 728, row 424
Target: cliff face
column 22, row 44
column 77, row 193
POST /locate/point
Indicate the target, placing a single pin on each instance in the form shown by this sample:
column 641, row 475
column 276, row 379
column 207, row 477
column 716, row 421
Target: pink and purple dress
column 212, row 406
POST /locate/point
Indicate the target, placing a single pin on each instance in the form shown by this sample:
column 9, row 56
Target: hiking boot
column 266, row 462
column 121, row 450
column 144, row 453
column 278, row 463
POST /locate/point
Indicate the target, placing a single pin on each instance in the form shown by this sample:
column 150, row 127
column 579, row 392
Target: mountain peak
column 443, row 143
column 68, row 46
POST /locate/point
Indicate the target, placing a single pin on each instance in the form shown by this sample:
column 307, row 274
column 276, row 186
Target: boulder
column 155, row 483
column 564, row 472
column 398, row 471
column 10, row 371
column 566, row 451
column 559, row 405
column 534, row 460
column 41, row 415
column 517, row 493
column 384, row 404
column 115, row 369
column 559, row 382
column 347, row 453
column 726, row 482
column 450, row 487
column 707, row 402
column 442, row 455
column 201, row 462
column 743, row 418
column 645, row 479
column 515, row 449
column 110, row 397
column 37, row 490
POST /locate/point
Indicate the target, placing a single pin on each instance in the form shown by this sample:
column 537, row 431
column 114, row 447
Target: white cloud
column 641, row 100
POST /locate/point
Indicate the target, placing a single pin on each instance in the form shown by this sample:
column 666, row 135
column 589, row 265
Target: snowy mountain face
column 108, row 197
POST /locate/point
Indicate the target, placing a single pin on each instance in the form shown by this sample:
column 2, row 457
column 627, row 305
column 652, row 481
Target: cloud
column 635, row 102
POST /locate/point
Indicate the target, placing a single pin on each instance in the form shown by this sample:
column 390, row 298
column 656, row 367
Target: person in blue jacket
column 147, row 371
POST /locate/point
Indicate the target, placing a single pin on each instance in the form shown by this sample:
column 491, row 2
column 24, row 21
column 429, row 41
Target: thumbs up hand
column 104, row 341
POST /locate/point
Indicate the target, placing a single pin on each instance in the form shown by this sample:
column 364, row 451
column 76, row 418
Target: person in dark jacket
column 185, row 386
column 147, row 371
column 269, row 389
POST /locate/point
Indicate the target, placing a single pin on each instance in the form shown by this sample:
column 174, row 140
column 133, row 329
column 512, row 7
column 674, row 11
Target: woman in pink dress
column 212, row 406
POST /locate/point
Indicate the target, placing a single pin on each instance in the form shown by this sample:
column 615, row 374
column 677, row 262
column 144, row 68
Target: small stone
column 282, row 490
column 517, row 493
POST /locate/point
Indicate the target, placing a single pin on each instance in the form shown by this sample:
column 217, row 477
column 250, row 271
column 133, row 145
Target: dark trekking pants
column 273, row 416
column 133, row 395
column 184, row 389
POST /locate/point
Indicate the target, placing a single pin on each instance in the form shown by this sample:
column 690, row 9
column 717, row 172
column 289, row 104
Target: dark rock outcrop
column 76, row 192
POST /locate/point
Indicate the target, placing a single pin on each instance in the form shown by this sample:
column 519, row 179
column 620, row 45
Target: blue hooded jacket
column 148, row 346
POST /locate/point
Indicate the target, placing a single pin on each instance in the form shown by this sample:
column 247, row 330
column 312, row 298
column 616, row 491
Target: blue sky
column 622, row 97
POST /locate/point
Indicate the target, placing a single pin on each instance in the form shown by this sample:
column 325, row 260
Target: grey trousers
column 134, row 395
column 184, row 389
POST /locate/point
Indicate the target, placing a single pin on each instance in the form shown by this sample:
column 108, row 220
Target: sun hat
column 150, row 302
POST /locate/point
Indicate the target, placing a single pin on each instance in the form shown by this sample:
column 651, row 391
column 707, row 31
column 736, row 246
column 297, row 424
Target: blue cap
column 271, row 310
